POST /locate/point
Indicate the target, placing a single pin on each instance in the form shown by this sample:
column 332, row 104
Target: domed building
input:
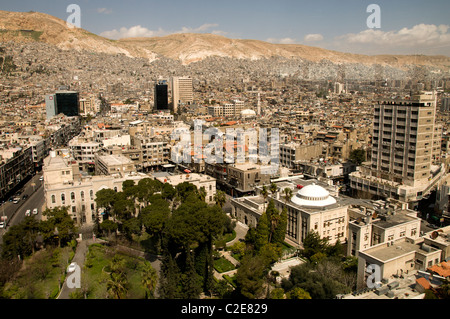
column 312, row 207
column 313, row 196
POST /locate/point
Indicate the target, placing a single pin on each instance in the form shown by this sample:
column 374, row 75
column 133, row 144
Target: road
column 15, row 213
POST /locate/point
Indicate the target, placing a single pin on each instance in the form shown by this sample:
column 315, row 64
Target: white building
column 64, row 185
column 311, row 208
column 182, row 92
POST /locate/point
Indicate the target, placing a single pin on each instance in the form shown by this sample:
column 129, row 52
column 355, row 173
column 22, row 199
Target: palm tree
column 288, row 193
column 273, row 188
column 202, row 193
column 117, row 285
column 149, row 280
column 220, row 198
column 265, row 194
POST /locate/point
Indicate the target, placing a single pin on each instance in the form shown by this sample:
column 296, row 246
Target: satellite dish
column 434, row 235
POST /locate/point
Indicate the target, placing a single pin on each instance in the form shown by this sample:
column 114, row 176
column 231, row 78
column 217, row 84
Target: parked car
column 16, row 200
column 35, row 211
column 24, row 196
column 41, row 178
column 2, row 225
column 28, row 212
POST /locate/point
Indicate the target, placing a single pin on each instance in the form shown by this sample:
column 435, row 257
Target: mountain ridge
column 186, row 47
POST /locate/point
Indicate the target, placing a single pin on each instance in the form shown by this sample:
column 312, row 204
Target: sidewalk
column 79, row 258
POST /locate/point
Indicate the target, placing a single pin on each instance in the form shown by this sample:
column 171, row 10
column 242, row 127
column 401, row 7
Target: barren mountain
column 185, row 47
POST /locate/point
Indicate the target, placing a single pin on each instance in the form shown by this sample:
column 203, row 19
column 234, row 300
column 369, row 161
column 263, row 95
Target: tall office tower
column 50, row 105
column 65, row 102
column 405, row 141
column 182, row 91
column 161, row 96
column 403, row 134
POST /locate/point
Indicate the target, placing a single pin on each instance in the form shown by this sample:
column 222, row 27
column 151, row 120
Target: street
column 15, row 213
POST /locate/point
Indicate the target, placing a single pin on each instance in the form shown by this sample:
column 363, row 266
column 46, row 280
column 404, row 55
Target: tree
column 168, row 192
column 280, row 230
column 202, row 193
column 20, row 239
column 273, row 188
column 357, row 156
column 265, row 194
column 220, row 198
column 155, row 216
column 250, row 277
column 132, row 227
column 262, row 232
column 277, row 293
column 117, row 285
column 288, row 193
column 149, row 280
column 298, row 293
column 59, row 225
column 105, row 198
column 313, row 244
column 108, row 226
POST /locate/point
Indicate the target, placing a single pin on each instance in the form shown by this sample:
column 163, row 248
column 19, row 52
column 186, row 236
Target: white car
column 72, row 267
column 2, row 225
column 28, row 212
column 35, row 211
column 41, row 178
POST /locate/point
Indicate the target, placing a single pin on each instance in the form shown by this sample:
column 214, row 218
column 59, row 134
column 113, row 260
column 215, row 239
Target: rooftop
column 115, row 159
column 385, row 252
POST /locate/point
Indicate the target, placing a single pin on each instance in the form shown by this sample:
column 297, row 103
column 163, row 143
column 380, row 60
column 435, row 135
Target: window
column 72, row 196
column 91, row 193
column 63, row 198
column 82, row 195
column 53, row 199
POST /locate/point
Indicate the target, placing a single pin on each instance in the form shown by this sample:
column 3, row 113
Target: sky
column 393, row 27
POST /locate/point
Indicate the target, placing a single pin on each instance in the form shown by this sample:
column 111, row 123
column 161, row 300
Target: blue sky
column 407, row 26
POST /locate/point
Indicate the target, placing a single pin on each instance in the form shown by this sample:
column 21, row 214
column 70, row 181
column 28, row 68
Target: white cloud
column 104, row 10
column 426, row 36
column 139, row 31
column 313, row 37
column 202, row 28
column 282, row 40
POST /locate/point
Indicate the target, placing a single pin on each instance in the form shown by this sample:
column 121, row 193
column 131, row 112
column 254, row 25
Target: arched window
column 63, row 198
column 72, row 196
column 82, row 195
column 53, row 199
column 91, row 193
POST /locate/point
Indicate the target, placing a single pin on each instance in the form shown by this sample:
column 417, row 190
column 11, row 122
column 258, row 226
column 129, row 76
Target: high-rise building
column 445, row 104
column 405, row 141
column 65, row 102
column 161, row 97
column 182, row 91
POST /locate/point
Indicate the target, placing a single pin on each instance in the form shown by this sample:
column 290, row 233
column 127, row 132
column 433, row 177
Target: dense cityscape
column 125, row 178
